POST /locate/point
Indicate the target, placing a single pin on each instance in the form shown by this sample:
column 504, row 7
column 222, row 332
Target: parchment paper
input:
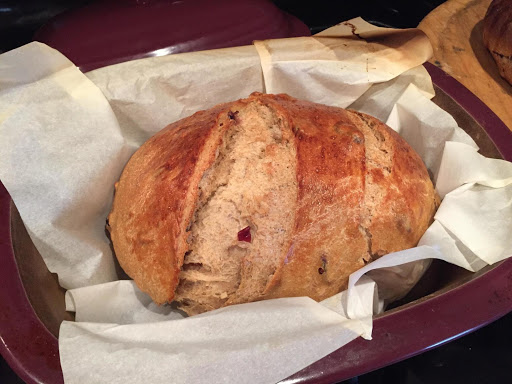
column 65, row 137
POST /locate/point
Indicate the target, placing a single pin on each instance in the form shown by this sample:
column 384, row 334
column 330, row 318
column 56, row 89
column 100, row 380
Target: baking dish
column 447, row 303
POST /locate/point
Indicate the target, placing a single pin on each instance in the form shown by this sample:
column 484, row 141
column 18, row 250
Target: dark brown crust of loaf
column 497, row 35
column 337, row 229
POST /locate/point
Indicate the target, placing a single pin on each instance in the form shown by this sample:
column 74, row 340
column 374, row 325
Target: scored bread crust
column 361, row 192
column 154, row 201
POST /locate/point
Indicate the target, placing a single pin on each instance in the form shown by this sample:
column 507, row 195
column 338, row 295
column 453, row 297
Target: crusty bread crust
column 361, row 192
column 155, row 198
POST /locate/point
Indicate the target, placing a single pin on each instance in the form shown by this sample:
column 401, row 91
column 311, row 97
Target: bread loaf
column 266, row 197
column 497, row 35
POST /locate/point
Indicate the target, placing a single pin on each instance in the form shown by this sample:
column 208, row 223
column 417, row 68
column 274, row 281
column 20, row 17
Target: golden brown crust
column 327, row 244
column 497, row 35
column 341, row 224
column 362, row 192
column 154, row 202
column 404, row 200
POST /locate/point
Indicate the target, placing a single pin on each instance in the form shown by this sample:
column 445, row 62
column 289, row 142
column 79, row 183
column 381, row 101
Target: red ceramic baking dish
column 112, row 31
column 447, row 303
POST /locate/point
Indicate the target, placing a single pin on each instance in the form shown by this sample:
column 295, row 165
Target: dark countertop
column 484, row 356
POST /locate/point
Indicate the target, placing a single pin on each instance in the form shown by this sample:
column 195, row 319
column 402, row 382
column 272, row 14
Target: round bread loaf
column 266, row 197
column 497, row 35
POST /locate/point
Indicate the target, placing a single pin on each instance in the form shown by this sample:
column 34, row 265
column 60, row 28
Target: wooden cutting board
column 455, row 31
